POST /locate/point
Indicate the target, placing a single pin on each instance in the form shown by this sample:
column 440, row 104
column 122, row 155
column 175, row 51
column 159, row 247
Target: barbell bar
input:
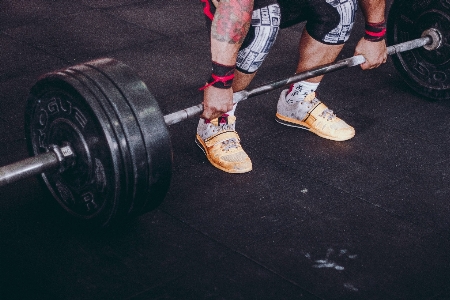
column 430, row 38
column 101, row 144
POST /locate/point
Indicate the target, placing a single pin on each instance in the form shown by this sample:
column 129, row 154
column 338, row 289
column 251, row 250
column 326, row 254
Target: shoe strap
column 221, row 136
column 314, row 113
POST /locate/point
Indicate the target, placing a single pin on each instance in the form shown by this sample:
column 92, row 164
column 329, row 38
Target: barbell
column 101, row 143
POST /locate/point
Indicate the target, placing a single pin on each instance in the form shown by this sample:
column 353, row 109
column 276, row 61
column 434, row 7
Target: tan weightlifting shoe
column 221, row 144
column 313, row 115
column 225, row 152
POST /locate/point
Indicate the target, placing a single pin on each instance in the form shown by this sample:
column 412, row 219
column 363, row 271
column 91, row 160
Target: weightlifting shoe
column 221, row 145
column 311, row 114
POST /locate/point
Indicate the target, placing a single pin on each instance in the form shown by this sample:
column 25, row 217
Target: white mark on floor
column 330, row 263
column 304, row 191
column 325, row 263
column 350, row 287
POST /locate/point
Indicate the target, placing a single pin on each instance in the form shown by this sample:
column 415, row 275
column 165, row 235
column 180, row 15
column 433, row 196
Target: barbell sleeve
column 28, row 167
column 54, row 159
column 356, row 60
column 406, row 46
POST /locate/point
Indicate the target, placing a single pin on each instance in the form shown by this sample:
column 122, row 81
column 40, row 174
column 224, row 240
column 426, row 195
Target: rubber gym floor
column 316, row 219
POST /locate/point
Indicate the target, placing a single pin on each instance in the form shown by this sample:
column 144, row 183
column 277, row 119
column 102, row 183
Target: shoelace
column 310, row 100
column 327, row 114
column 229, row 144
column 226, row 127
column 311, row 97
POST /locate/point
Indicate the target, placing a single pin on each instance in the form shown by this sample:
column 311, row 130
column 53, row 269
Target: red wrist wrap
column 221, row 76
column 375, row 32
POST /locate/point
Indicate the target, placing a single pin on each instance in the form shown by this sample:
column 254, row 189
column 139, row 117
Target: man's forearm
column 373, row 46
column 373, row 10
column 229, row 28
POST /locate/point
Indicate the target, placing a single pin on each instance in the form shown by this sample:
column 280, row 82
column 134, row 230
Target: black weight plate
column 152, row 128
column 144, row 123
column 124, row 125
column 58, row 112
column 426, row 72
column 113, row 170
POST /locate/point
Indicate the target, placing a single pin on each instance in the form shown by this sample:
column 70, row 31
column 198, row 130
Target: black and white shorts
column 327, row 21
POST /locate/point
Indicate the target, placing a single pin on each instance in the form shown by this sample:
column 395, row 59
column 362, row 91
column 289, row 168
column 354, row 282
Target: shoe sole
column 202, row 146
column 302, row 125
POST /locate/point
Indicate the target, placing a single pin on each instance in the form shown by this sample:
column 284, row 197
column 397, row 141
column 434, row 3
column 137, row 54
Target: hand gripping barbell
column 101, row 144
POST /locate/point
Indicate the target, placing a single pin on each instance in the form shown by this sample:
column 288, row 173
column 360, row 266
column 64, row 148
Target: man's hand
column 216, row 102
column 375, row 53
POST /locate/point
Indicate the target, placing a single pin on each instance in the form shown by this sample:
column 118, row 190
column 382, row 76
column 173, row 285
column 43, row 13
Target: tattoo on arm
column 232, row 20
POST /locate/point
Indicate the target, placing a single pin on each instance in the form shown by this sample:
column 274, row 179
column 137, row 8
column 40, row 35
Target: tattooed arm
column 374, row 51
column 229, row 28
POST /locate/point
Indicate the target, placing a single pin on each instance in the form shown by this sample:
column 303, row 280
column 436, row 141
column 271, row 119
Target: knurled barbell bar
column 431, row 39
column 101, row 143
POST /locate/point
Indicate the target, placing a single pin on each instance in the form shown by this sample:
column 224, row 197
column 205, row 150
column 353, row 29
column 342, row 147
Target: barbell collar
column 436, row 39
column 55, row 159
column 428, row 38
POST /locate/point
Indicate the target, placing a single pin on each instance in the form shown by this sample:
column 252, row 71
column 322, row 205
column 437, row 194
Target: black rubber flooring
column 315, row 219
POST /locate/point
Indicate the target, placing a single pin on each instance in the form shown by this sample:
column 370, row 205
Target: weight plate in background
column 426, row 72
column 113, row 175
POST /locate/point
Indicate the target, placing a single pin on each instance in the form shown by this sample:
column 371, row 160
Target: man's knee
column 335, row 19
column 260, row 38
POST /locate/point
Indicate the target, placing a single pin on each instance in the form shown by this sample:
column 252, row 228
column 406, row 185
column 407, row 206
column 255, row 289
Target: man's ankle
column 298, row 91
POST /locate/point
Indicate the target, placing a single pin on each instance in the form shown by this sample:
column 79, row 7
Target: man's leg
column 314, row 53
column 242, row 80
column 298, row 106
column 218, row 138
